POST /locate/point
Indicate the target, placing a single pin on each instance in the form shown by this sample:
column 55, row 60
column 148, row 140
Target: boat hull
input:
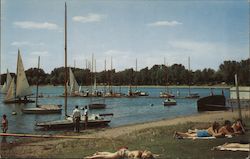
column 97, row 106
column 41, row 111
column 68, row 124
column 19, row 101
column 212, row 103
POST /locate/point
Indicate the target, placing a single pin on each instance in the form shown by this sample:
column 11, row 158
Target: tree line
column 175, row 74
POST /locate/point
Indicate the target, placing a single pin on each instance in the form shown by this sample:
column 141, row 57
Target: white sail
column 22, row 85
column 11, row 91
column 4, row 88
column 95, row 88
column 7, row 83
column 73, row 83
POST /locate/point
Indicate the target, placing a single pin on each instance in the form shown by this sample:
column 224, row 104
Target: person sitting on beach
column 122, row 153
column 227, row 128
column 238, row 127
column 211, row 131
column 4, row 124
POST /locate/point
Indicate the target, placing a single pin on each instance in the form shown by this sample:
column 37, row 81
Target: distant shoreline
column 156, row 86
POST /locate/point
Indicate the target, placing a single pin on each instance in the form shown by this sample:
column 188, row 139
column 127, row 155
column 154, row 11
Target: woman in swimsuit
column 238, row 127
column 122, row 153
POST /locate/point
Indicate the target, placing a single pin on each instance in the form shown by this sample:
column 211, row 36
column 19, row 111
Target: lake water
column 126, row 110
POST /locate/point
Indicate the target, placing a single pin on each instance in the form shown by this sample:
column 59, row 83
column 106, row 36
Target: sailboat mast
column 17, row 70
column 189, row 91
column 37, row 82
column 135, row 74
column 111, row 67
column 65, row 54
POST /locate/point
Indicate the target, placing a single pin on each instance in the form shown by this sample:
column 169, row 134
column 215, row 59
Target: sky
column 209, row 31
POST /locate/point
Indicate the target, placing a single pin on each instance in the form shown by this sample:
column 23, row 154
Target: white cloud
column 26, row 43
column 90, row 18
column 36, row 25
column 165, row 23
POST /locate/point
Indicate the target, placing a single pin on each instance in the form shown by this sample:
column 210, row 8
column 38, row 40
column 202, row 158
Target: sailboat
column 6, row 84
column 111, row 93
column 97, row 103
column 45, row 108
column 137, row 92
column 190, row 95
column 166, row 93
column 95, row 120
column 21, row 89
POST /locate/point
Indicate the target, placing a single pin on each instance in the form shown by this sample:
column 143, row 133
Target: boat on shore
column 212, row 103
column 68, row 123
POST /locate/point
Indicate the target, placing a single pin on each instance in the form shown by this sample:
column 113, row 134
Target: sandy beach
column 46, row 147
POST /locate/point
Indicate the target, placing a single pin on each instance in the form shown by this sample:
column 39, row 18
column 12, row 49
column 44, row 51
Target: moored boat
column 166, row 95
column 18, row 93
column 169, row 102
column 212, row 103
column 44, row 109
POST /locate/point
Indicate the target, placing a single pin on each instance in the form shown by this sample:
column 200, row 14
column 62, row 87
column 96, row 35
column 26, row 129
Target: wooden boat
column 169, row 102
column 45, row 108
column 18, row 93
column 68, row 123
column 212, row 103
column 6, row 84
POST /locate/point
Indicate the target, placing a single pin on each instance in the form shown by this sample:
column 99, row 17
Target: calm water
column 126, row 110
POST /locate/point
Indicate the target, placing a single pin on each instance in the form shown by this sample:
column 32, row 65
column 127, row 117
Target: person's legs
column 78, row 124
column 104, row 156
column 186, row 134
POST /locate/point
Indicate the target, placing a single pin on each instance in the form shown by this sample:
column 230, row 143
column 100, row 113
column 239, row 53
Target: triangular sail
column 74, row 87
column 22, row 85
column 11, row 91
column 95, row 88
column 7, row 83
column 4, row 88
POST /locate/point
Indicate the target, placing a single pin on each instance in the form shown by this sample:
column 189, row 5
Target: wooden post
column 238, row 96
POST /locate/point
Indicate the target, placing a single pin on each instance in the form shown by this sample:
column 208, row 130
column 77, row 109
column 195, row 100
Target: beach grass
column 158, row 140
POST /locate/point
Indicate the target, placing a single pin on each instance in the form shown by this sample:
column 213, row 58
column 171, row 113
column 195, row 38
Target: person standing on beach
column 4, row 124
column 77, row 118
column 86, row 117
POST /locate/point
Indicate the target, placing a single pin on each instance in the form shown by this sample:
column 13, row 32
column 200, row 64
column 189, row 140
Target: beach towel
column 206, row 138
column 233, row 147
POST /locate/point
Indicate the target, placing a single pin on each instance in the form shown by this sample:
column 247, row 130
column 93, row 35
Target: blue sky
column 149, row 30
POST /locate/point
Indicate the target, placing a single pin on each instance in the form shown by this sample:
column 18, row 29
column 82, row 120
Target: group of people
column 215, row 130
column 77, row 118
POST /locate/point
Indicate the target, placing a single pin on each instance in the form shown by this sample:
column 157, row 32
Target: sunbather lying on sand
column 211, row 131
column 122, row 153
